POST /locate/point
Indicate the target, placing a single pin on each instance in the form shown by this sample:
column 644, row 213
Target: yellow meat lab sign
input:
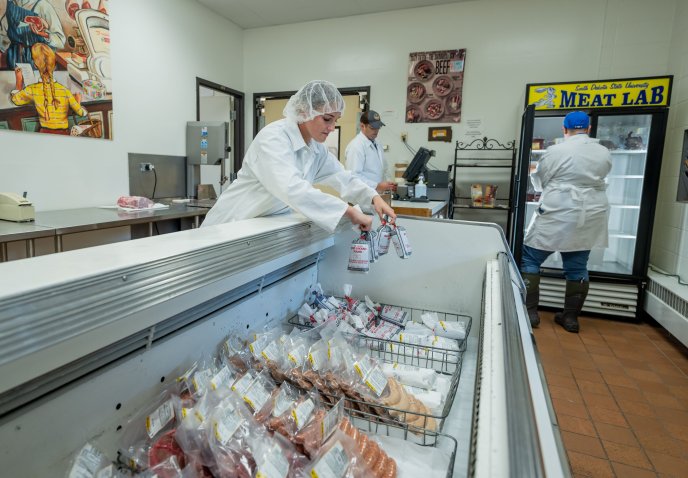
column 634, row 92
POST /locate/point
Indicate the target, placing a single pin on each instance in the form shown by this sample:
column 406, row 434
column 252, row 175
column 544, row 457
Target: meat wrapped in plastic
column 144, row 429
column 230, row 425
column 135, row 202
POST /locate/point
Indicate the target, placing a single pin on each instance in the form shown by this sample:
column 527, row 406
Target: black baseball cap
column 372, row 118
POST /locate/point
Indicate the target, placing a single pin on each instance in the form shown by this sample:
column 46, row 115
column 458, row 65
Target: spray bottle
column 421, row 188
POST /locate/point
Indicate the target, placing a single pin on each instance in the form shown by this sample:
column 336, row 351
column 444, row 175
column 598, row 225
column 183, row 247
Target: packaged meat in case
column 452, row 330
column 90, row 462
column 230, row 425
column 148, row 437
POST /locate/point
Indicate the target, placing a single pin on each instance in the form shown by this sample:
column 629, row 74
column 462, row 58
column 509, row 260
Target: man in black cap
column 364, row 157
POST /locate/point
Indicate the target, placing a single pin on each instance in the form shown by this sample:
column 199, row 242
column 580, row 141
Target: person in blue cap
column 571, row 217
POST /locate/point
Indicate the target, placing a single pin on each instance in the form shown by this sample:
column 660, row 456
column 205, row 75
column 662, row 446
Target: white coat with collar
column 573, row 211
column 365, row 160
column 277, row 174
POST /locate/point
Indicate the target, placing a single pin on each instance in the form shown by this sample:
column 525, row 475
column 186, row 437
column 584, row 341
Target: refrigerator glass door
column 627, row 138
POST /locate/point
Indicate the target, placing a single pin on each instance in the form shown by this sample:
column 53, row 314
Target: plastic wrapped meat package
column 351, row 456
column 451, row 330
column 414, row 460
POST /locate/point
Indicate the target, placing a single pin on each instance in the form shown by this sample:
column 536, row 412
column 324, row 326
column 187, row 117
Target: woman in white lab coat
column 287, row 157
column 571, row 217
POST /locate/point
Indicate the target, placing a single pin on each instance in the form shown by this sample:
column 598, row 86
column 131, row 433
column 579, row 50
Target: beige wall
column 670, row 236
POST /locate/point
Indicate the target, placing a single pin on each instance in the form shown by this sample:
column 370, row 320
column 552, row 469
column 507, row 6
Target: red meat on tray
column 36, row 21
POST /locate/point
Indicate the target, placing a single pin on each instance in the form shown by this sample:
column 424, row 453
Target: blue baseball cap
column 577, row 120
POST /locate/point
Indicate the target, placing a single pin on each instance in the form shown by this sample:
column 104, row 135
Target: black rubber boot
column 532, row 282
column 576, row 292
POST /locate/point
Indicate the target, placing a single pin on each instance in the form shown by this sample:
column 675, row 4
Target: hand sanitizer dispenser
column 421, row 189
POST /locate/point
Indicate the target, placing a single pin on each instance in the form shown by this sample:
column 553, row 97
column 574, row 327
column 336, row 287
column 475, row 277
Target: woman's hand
column 357, row 218
column 382, row 208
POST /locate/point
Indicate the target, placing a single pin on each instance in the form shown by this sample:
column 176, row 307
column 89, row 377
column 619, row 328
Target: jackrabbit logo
column 547, row 101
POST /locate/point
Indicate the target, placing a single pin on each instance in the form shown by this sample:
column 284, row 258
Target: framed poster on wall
column 55, row 67
column 435, row 84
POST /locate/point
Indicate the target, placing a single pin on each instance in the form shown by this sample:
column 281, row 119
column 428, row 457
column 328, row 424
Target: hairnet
column 315, row 98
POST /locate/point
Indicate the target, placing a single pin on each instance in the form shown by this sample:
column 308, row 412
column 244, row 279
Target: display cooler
column 629, row 117
column 89, row 337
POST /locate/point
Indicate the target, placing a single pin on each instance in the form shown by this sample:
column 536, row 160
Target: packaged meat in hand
column 135, row 202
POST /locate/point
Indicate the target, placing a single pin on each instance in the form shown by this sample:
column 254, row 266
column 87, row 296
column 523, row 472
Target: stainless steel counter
column 21, row 231
column 69, row 221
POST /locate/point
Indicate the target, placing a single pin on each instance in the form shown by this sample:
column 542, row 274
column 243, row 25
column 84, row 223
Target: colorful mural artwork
column 55, row 75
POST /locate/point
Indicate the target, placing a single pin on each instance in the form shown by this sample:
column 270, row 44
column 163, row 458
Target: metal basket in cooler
column 414, row 315
column 444, row 361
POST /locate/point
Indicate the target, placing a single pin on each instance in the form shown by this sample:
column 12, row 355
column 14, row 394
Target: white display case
column 88, row 337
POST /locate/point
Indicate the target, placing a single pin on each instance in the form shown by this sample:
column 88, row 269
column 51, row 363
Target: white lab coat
column 278, row 172
column 573, row 211
column 365, row 160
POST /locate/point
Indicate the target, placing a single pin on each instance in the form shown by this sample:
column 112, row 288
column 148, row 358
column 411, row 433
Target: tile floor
column 620, row 392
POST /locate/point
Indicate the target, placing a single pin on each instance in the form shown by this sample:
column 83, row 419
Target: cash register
column 437, row 181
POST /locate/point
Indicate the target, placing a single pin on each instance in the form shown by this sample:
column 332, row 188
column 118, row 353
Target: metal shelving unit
column 484, row 153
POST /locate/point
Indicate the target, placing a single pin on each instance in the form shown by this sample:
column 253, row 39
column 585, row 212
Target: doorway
column 215, row 102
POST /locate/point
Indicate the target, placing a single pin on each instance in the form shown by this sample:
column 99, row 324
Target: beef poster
column 435, row 83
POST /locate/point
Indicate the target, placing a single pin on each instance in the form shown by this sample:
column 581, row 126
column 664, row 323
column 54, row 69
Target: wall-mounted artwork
column 55, row 73
column 435, row 83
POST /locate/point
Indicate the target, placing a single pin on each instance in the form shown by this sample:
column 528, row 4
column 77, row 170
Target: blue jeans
column 575, row 263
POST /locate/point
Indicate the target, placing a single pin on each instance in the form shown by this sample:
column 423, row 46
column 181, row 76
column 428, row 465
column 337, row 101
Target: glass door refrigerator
column 629, row 117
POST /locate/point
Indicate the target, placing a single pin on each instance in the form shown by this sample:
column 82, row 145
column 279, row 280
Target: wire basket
column 444, row 361
column 415, row 316
column 426, row 425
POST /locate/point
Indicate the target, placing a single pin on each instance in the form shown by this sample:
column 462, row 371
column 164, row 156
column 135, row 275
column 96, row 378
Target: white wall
column 670, row 237
column 159, row 47
column 509, row 44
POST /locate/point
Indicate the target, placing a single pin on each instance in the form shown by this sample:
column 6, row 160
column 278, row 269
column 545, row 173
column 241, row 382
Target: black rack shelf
column 466, row 155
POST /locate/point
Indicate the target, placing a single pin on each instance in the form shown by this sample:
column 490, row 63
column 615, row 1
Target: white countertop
column 434, row 206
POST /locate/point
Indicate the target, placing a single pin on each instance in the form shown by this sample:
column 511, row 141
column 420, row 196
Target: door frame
column 277, row 95
column 238, row 129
